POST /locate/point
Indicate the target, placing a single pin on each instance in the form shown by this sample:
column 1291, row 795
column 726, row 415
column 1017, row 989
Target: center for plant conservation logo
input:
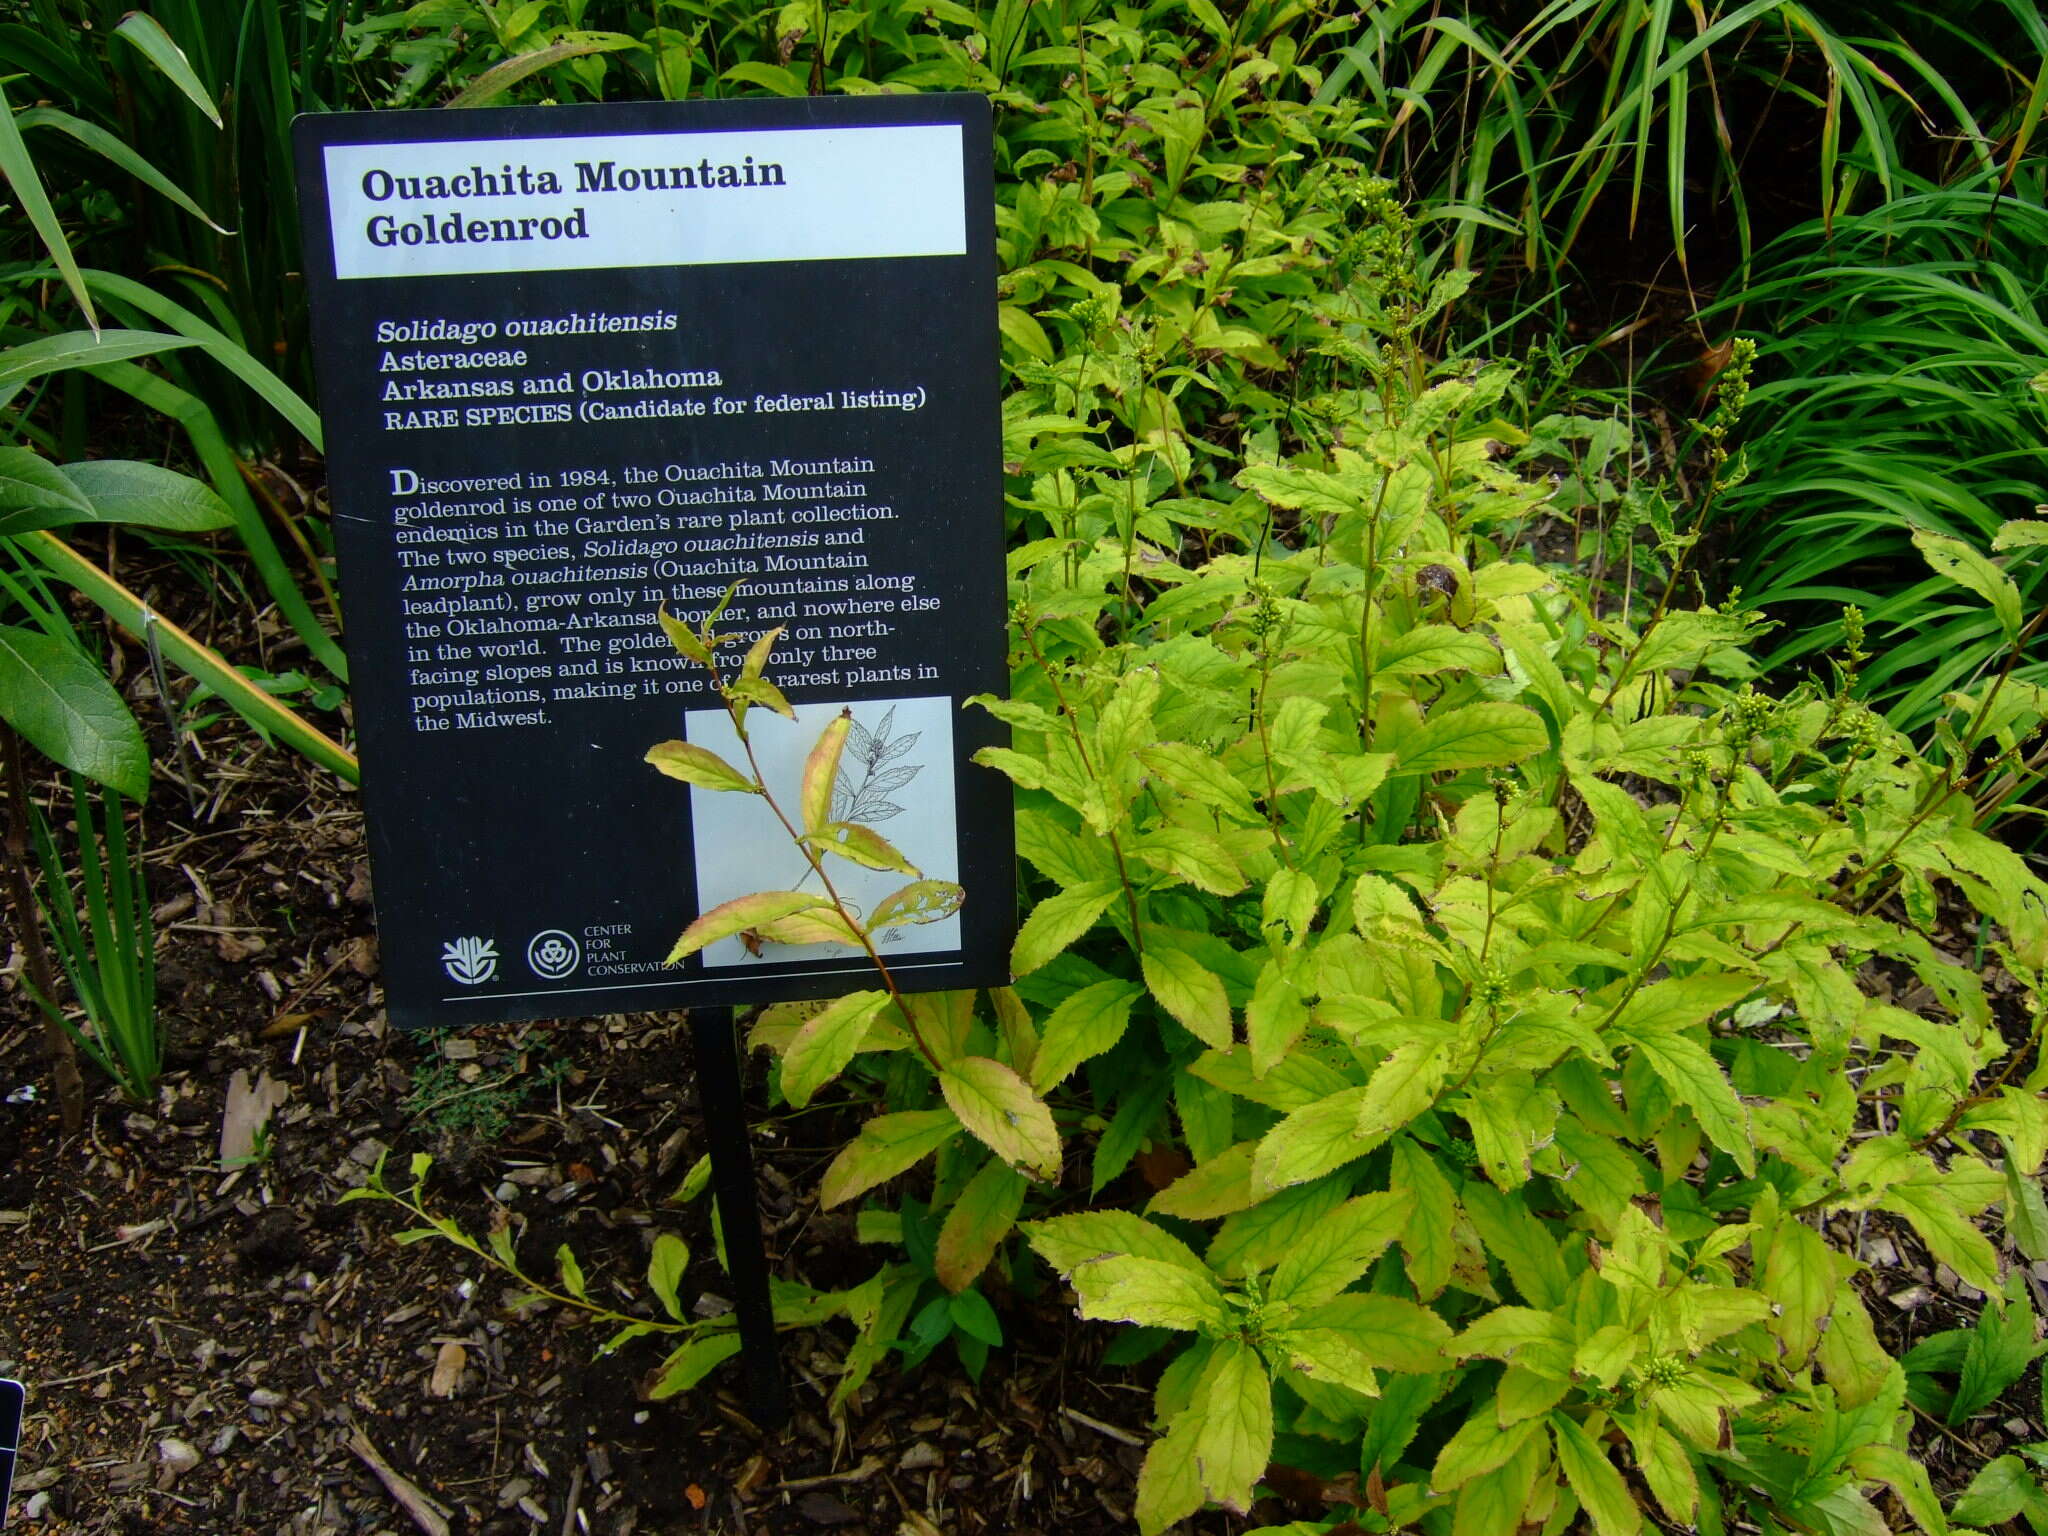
column 470, row 961
column 553, row 954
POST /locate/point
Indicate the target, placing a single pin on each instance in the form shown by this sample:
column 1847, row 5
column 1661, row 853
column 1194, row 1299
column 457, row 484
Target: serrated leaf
column 1386, row 1331
column 861, row 845
column 1189, row 991
column 1058, row 921
column 2026, row 1213
column 1426, row 1235
column 1257, row 1239
column 1149, row 1292
column 1436, row 648
column 1799, row 1278
column 1594, row 1479
column 683, row 638
column 1949, row 1234
column 828, row 1040
column 740, row 914
column 1483, row 735
column 922, row 901
column 1513, row 1234
column 1664, row 1464
column 1218, row 1187
column 699, row 766
column 1962, row 564
column 1478, row 1447
column 1200, row 859
column 1311, row 1142
column 1999, row 1493
column 1233, row 1411
column 1338, row 1250
column 665, row 1266
column 691, row 1364
column 1169, row 1483
column 1665, row 1007
column 1068, row 1242
column 822, row 924
column 999, row 1108
column 1200, row 777
column 980, row 1219
column 885, row 1147
column 1275, row 1017
column 1697, row 1082
column 821, row 772
column 1084, row 1025
column 1400, row 1088
column 2020, row 533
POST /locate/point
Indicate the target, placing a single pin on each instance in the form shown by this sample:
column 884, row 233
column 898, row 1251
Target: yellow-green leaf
column 1200, row 777
column 758, row 690
column 1594, row 1479
column 738, row 915
column 1799, row 1278
column 665, row 1266
column 684, row 639
column 885, row 1147
column 980, row 1219
column 1189, row 991
column 1151, row 1293
column 1275, row 1016
column 1401, row 1087
column 999, row 1108
column 1338, row 1250
column 1384, row 1331
column 1968, row 567
column 1697, row 1082
column 691, row 1364
column 699, row 766
column 823, row 924
column 758, row 653
column 1068, row 1242
column 1084, row 1025
column 1058, row 921
column 1310, row 1142
column 1483, row 735
column 922, row 901
column 1233, row 1409
column 861, row 845
column 1169, row 1485
column 829, row 1040
column 821, row 772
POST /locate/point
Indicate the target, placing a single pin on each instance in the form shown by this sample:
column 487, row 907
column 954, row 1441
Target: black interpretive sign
column 12, row 1399
column 578, row 364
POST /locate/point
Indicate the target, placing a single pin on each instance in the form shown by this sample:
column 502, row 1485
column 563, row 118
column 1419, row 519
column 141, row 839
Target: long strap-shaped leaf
column 193, row 656
column 224, row 470
column 18, row 170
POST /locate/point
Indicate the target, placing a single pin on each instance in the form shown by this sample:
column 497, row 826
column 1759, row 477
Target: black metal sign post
column 579, row 365
column 712, row 1033
column 12, row 1400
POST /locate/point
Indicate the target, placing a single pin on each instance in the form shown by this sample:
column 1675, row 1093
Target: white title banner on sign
column 644, row 200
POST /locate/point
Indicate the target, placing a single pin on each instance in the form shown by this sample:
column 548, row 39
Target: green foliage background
column 1471, row 993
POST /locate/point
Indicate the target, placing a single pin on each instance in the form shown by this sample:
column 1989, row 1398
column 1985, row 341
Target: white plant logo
column 470, row 961
column 553, row 954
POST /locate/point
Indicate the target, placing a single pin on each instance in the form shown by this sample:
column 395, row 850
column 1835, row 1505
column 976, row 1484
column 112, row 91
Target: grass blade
column 156, row 46
column 19, row 168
